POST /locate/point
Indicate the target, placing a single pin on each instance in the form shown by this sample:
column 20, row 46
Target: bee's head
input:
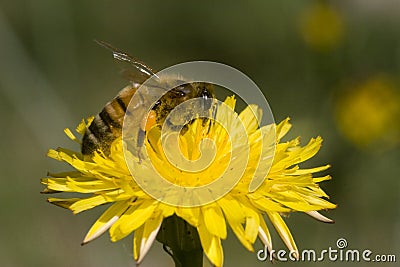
column 184, row 92
column 188, row 91
column 205, row 91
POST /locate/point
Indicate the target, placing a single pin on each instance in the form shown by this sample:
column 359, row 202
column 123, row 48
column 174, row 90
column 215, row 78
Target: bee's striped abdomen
column 107, row 125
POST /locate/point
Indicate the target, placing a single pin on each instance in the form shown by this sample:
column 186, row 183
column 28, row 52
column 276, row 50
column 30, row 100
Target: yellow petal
column 87, row 203
column 71, row 135
column 64, row 174
column 251, row 117
column 294, row 201
column 63, row 202
column 191, row 215
column 132, row 219
column 312, row 170
column 252, row 222
column 235, row 217
column 167, row 210
column 318, row 216
column 320, row 179
column 283, row 231
column 211, row 245
column 319, row 202
column 309, row 150
column 232, row 208
column 81, row 128
column 148, row 234
column 137, row 242
column 230, row 101
column 264, row 235
column 115, row 230
column 214, row 220
column 57, row 184
column 89, row 185
column 106, row 220
column 267, row 204
column 282, row 128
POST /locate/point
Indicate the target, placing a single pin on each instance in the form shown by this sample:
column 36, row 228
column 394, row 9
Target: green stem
column 181, row 241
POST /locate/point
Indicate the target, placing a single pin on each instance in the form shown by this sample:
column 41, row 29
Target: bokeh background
column 332, row 66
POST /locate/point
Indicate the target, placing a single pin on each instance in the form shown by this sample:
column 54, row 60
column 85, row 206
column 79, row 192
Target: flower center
column 194, row 157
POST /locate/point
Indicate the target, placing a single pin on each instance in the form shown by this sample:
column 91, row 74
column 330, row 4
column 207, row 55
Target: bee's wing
column 136, row 71
column 133, row 76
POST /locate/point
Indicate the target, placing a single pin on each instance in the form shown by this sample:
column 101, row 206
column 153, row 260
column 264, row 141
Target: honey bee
column 107, row 125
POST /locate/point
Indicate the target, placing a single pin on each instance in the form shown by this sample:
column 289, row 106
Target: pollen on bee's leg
column 149, row 121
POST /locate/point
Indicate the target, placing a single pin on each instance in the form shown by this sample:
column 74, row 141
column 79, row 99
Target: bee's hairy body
column 107, row 125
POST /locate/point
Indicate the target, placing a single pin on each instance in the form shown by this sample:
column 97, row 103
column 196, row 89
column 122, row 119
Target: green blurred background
column 332, row 66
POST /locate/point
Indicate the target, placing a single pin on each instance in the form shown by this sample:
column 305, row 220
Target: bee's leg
column 140, row 142
column 214, row 117
column 141, row 136
column 146, row 124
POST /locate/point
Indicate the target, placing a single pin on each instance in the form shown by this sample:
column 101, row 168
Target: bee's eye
column 184, row 90
column 157, row 104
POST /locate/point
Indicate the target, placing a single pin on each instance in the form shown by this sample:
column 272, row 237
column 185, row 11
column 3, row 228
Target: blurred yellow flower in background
column 321, row 26
column 368, row 112
column 107, row 179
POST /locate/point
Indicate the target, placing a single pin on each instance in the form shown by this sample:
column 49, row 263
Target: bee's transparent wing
column 133, row 70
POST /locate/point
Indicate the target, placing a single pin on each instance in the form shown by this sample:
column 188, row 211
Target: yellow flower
column 321, row 27
column 107, row 179
column 366, row 113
